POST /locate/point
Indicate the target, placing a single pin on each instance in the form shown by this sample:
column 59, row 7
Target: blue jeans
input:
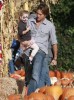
column 44, row 77
column 47, row 78
column 11, row 66
column 36, row 72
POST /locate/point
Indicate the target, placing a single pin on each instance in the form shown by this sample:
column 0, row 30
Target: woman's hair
column 44, row 8
column 23, row 12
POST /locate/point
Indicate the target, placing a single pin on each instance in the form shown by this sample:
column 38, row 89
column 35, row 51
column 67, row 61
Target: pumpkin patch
column 62, row 87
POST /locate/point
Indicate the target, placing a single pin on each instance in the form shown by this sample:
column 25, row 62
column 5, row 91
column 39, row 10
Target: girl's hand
column 28, row 28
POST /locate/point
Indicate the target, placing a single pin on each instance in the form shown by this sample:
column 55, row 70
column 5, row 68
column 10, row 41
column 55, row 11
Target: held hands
column 53, row 62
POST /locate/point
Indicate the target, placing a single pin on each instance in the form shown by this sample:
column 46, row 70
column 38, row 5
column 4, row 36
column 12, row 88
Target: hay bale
column 7, row 86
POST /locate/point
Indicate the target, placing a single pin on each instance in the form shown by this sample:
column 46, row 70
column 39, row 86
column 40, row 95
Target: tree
column 63, row 16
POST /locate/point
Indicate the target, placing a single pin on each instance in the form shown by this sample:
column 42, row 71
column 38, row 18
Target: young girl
column 24, row 36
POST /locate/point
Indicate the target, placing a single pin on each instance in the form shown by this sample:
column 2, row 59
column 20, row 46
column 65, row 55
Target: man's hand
column 53, row 62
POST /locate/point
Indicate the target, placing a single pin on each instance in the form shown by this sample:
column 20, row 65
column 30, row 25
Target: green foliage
column 63, row 16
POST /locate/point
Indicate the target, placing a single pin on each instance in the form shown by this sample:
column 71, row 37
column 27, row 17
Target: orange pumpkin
column 49, row 97
column 72, row 82
column 55, row 91
column 67, row 93
column 65, row 81
column 58, row 74
column 20, row 72
column 15, row 76
column 14, row 97
column 36, row 96
column 67, row 75
column 42, row 89
column 71, row 97
column 70, row 75
column 51, row 73
column 26, row 97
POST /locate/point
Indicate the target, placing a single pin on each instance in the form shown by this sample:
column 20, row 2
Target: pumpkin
column 70, row 75
column 72, row 83
column 20, row 72
column 55, row 91
column 58, row 74
column 51, row 73
column 15, row 76
column 67, row 93
column 36, row 96
column 71, row 97
column 14, row 97
column 65, row 81
column 26, row 97
column 49, row 97
column 67, row 75
column 42, row 89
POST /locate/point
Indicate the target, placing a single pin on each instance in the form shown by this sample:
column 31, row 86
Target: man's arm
column 55, row 53
column 54, row 44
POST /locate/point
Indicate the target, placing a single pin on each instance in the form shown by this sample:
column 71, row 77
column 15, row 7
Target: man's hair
column 23, row 12
column 44, row 8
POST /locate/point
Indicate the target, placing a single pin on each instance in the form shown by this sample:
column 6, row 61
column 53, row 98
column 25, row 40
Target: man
column 43, row 32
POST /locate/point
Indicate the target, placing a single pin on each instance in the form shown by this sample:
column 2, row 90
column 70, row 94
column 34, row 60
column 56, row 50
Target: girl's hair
column 44, row 8
column 23, row 12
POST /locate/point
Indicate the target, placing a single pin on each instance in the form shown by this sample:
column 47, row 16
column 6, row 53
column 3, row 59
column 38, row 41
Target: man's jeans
column 44, row 77
column 36, row 72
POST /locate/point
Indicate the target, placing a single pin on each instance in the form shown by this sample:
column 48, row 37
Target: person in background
column 44, row 34
column 24, row 36
column 14, row 47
